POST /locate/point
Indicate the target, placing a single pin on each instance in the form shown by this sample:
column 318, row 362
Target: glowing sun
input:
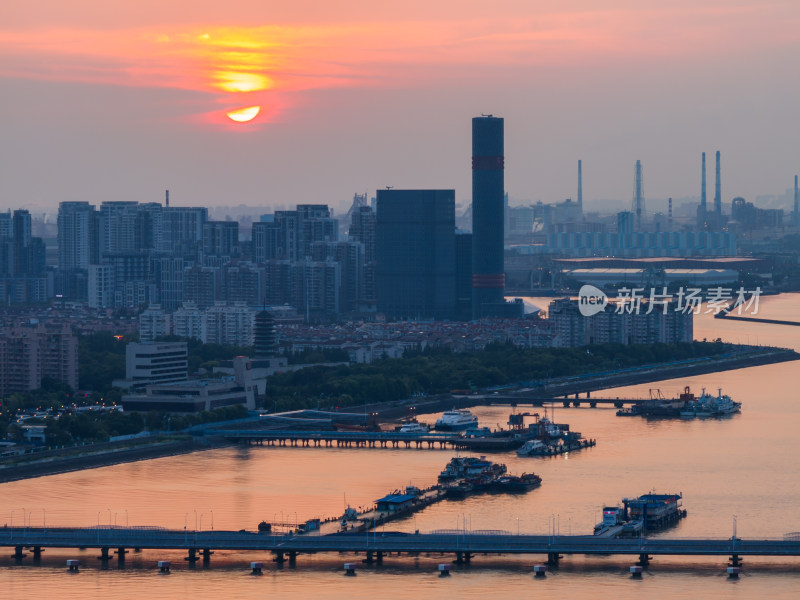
column 242, row 115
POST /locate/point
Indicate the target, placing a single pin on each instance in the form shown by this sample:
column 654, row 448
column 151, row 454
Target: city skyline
column 121, row 103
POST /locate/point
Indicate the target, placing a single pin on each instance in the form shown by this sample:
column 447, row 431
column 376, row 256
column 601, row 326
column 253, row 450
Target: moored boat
column 413, row 427
column 456, row 420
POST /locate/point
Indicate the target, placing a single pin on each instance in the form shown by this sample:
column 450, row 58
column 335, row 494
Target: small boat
column 456, row 420
column 512, row 483
column 459, row 490
column 533, row 448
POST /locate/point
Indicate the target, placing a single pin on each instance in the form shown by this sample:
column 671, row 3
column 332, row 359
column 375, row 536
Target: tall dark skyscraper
column 488, row 277
column 416, row 254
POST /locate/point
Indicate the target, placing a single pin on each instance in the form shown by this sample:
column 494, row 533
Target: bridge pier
column 379, row 558
column 368, row 559
column 121, row 552
column 553, row 558
column 566, row 403
column 292, row 558
column 37, row 552
column 18, row 554
column 103, row 554
column 192, row 557
column 207, row 555
column 644, row 560
column 279, row 557
column 735, row 561
column 593, row 404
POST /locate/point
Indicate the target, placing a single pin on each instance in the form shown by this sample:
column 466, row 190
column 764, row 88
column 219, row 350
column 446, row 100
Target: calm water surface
column 746, row 465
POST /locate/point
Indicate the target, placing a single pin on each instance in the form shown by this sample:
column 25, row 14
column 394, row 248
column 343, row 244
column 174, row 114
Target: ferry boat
column 413, row 427
column 455, row 420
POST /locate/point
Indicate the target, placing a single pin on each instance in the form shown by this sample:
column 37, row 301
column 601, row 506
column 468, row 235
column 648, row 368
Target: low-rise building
column 191, row 396
column 154, row 363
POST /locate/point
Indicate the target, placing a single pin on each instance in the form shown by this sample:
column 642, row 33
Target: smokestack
column 638, row 196
column 718, row 191
column 580, row 186
column 167, row 198
column 670, row 214
column 488, row 190
column 703, row 187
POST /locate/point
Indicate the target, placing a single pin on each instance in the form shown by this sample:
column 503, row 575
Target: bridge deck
column 388, row 542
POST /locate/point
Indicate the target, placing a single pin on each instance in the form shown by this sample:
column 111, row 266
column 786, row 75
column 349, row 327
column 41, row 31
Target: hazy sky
column 112, row 100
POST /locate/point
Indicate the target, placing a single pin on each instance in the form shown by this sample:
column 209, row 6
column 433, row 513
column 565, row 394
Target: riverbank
column 590, row 383
column 101, row 455
column 107, row 454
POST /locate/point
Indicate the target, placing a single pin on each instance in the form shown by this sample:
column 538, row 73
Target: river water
column 742, row 469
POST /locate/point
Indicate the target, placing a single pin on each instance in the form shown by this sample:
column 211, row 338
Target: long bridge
column 367, row 439
column 523, row 400
column 463, row 544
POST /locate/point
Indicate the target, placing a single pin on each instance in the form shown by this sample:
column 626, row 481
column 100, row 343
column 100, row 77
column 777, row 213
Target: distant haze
column 120, row 101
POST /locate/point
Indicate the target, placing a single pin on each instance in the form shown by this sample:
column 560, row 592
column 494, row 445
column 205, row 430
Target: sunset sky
column 105, row 100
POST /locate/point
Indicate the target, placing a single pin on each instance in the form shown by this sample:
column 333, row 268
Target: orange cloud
column 231, row 61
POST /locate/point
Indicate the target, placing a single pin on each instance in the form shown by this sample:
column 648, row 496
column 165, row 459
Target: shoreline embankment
column 108, row 455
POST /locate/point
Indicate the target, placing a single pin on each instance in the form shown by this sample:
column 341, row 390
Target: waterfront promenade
column 463, row 544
